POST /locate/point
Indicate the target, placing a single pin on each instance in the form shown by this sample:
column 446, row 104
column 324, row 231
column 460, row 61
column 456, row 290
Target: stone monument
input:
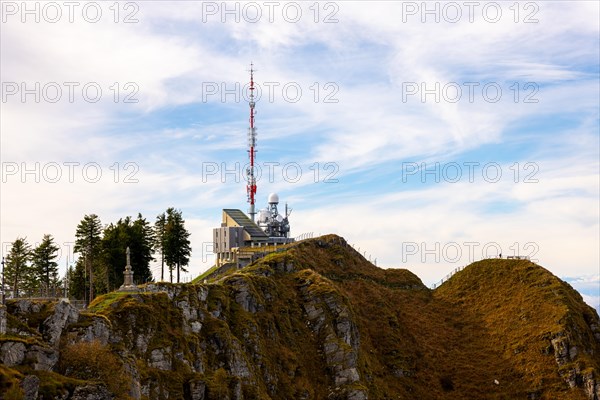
column 128, row 285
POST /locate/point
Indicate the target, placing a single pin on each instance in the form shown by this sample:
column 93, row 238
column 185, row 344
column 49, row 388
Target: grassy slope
column 206, row 273
column 520, row 307
column 491, row 321
column 413, row 346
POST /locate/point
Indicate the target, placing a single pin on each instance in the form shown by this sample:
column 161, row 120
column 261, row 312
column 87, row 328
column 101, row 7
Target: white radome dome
column 273, row 198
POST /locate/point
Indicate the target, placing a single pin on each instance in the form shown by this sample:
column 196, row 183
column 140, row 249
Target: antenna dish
column 273, row 198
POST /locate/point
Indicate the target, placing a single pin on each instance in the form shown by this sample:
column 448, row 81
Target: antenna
column 288, row 211
column 251, row 186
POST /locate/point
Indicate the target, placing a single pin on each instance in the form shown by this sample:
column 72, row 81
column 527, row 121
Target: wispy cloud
column 373, row 59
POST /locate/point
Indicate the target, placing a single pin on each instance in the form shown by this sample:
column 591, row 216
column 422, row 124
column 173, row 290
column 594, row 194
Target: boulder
column 64, row 314
column 91, row 392
column 12, row 353
column 30, row 386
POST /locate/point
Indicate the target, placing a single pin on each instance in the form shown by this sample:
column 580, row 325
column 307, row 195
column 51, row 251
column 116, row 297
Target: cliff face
column 316, row 321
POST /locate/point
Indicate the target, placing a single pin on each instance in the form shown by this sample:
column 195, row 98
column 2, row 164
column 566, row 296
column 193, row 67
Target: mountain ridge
column 318, row 321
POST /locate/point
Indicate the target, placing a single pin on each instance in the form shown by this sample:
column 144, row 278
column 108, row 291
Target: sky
column 429, row 135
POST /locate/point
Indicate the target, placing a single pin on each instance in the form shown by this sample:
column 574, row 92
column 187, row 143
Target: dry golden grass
column 491, row 322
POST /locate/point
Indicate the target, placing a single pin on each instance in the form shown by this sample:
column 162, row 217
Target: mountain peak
column 317, row 320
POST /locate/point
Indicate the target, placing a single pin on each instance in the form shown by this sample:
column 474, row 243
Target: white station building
column 239, row 239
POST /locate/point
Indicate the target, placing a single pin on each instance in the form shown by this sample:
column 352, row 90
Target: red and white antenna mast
column 251, row 187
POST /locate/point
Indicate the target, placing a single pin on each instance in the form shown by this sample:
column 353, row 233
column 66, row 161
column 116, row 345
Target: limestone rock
column 141, row 342
column 12, row 353
column 202, row 294
column 30, row 386
column 565, row 353
column 98, row 330
column 135, row 391
column 189, row 312
column 196, row 326
column 64, row 314
column 42, row 358
column 243, row 294
column 591, row 386
column 195, row 390
column 91, row 392
column 24, row 307
column 3, row 322
column 355, row 394
column 331, row 319
column 237, row 363
column 161, row 359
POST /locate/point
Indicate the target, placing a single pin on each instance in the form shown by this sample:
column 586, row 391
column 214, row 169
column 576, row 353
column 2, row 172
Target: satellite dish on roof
column 273, row 198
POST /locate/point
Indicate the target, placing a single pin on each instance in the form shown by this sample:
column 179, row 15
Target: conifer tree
column 142, row 245
column 78, row 280
column 177, row 244
column 17, row 271
column 44, row 264
column 159, row 241
column 87, row 244
column 138, row 236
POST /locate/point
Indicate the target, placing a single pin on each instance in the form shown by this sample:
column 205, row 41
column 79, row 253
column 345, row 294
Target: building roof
column 242, row 219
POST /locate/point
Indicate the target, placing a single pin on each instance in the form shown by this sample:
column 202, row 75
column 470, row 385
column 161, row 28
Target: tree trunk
column 107, row 279
column 177, row 271
column 162, row 266
column 91, row 283
column 16, row 286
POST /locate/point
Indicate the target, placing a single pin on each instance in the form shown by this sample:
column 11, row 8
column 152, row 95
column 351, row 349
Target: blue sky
column 427, row 143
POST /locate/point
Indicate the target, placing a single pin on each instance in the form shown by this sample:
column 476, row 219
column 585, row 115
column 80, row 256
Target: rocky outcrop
column 24, row 307
column 41, row 358
column 565, row 354
column 195, row 390
column 243, row 294
column 30, row 386
column 12, row 353
column 63, row 315
column 91, row 392
column 161, row 359
column 330, row 318
column 98, row 328
column 317, row 321
column 2, row 319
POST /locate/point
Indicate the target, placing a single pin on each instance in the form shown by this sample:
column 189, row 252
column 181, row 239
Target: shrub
column 14, row 393
column 219, row 385
column 95, row 361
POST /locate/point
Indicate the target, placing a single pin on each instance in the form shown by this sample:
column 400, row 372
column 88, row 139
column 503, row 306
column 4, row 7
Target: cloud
column 593, row 301
column 589, row 287
column 369, row 56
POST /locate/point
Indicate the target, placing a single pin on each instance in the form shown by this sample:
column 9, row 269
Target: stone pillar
column 128, row 274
